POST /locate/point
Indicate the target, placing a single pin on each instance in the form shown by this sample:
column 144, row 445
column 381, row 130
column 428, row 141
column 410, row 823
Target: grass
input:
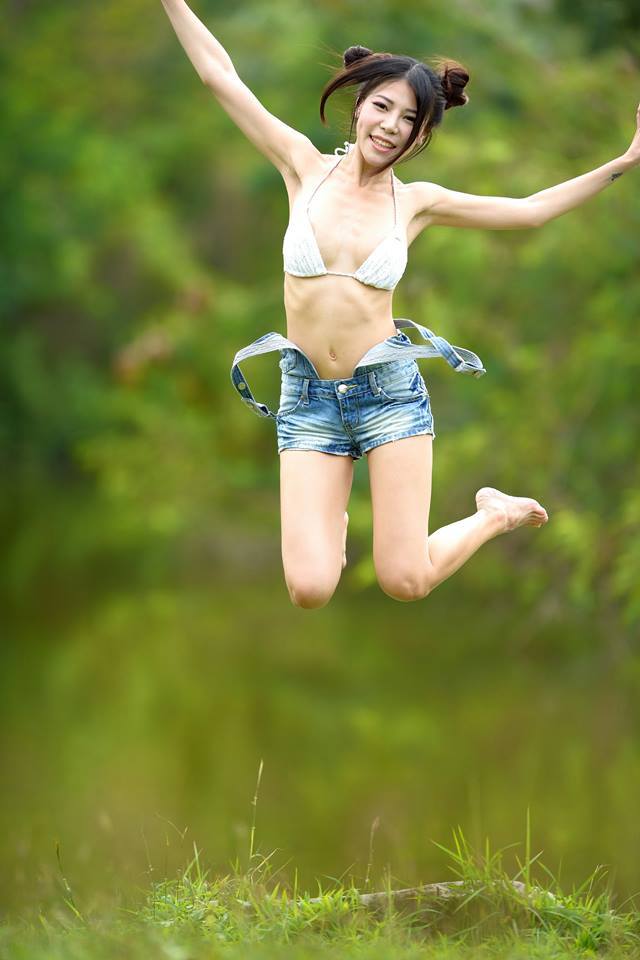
column 482, row 913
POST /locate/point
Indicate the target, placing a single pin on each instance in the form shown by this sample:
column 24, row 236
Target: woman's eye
column 383, row 106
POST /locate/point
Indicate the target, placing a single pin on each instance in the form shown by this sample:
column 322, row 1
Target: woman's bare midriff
column 335, row 324
column 335, row 320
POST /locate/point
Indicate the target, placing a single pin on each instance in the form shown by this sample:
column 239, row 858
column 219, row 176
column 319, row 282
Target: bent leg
column 409, row 563
column 314, row 493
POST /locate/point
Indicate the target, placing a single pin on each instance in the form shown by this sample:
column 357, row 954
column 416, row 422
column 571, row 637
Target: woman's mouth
column 380, row 145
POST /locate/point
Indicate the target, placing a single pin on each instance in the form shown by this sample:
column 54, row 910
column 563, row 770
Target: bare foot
column 344, row 543
column 513, row 512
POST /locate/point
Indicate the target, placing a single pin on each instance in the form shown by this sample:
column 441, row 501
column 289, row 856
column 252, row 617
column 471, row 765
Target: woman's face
column 386, row 116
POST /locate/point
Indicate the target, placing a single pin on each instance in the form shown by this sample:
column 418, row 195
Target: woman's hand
column 633, row 152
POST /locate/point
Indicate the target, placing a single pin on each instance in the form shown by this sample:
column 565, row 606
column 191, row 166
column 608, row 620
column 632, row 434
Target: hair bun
column 454, row 79
column 353, row 54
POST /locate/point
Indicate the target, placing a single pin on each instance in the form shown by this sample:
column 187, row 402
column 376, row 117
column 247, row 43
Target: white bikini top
column 383, row 267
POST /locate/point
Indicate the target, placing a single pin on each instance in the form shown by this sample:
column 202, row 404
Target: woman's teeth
column 381, row 146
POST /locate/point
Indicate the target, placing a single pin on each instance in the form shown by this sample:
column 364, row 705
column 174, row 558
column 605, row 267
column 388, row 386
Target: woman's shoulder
column 310, row 160
column 418, row 190
column 415, row 197
column 416, row 186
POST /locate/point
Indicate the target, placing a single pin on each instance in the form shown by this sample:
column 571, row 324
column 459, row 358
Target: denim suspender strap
column 462, row 361
column 265, row 344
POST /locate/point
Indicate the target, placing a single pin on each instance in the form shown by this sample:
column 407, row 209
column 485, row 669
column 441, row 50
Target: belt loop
column 305, row 390
column 373, row 383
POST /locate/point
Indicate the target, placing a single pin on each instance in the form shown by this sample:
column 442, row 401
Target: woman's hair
column 436, row 88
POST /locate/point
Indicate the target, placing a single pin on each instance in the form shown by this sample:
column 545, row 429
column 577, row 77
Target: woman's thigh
column 314, row 493
column 400, row 480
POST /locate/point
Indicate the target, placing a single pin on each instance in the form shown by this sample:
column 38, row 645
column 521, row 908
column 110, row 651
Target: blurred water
column 141, row 689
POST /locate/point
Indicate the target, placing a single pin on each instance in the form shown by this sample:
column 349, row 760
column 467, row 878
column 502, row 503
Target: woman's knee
column 310, row 591
column 404, row 585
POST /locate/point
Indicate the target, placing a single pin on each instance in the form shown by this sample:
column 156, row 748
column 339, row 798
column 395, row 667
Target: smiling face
column 386, row 116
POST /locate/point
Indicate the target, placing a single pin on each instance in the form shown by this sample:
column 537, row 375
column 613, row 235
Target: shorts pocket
column 287, row 360
column 290, row 396
column 402, row 386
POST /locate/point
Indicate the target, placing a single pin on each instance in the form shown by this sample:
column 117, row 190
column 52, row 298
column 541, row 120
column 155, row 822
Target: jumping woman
column 350, row 382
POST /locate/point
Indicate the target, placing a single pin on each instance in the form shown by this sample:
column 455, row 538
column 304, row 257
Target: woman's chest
column 346, row 224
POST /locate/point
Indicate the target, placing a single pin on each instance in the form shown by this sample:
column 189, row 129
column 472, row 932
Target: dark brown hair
column 436, row 88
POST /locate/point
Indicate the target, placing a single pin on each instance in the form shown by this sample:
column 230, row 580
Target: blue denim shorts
column 386, row 398
column 348, row 417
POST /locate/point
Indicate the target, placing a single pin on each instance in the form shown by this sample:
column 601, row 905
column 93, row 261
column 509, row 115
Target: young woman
column 350, row 381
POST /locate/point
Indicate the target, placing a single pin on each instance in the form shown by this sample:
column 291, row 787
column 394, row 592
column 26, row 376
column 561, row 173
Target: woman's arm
column 200, row 45
column 554, row 201
column 439, row 206
column 290, row 151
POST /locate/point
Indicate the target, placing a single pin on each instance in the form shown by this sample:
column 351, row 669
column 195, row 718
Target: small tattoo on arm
column 614, row 176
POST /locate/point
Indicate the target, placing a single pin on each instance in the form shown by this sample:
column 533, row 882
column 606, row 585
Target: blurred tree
column 141, row 241
column 605, row 23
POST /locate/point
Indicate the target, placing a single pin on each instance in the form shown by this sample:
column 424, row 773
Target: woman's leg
column 314, row 493
column 409, row 563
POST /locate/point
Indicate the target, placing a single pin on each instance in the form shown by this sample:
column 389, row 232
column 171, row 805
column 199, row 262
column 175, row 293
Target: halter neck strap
column 341, row 152
column 319, row 184
column 393, row 191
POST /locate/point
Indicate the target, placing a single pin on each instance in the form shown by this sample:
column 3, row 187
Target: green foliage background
column 141, row 239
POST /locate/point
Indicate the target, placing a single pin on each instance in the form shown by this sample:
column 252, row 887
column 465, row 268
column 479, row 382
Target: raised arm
column 288, row 149
column 438, row 206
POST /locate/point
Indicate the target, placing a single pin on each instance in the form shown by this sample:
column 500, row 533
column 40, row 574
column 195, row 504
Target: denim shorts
column 348, row 417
